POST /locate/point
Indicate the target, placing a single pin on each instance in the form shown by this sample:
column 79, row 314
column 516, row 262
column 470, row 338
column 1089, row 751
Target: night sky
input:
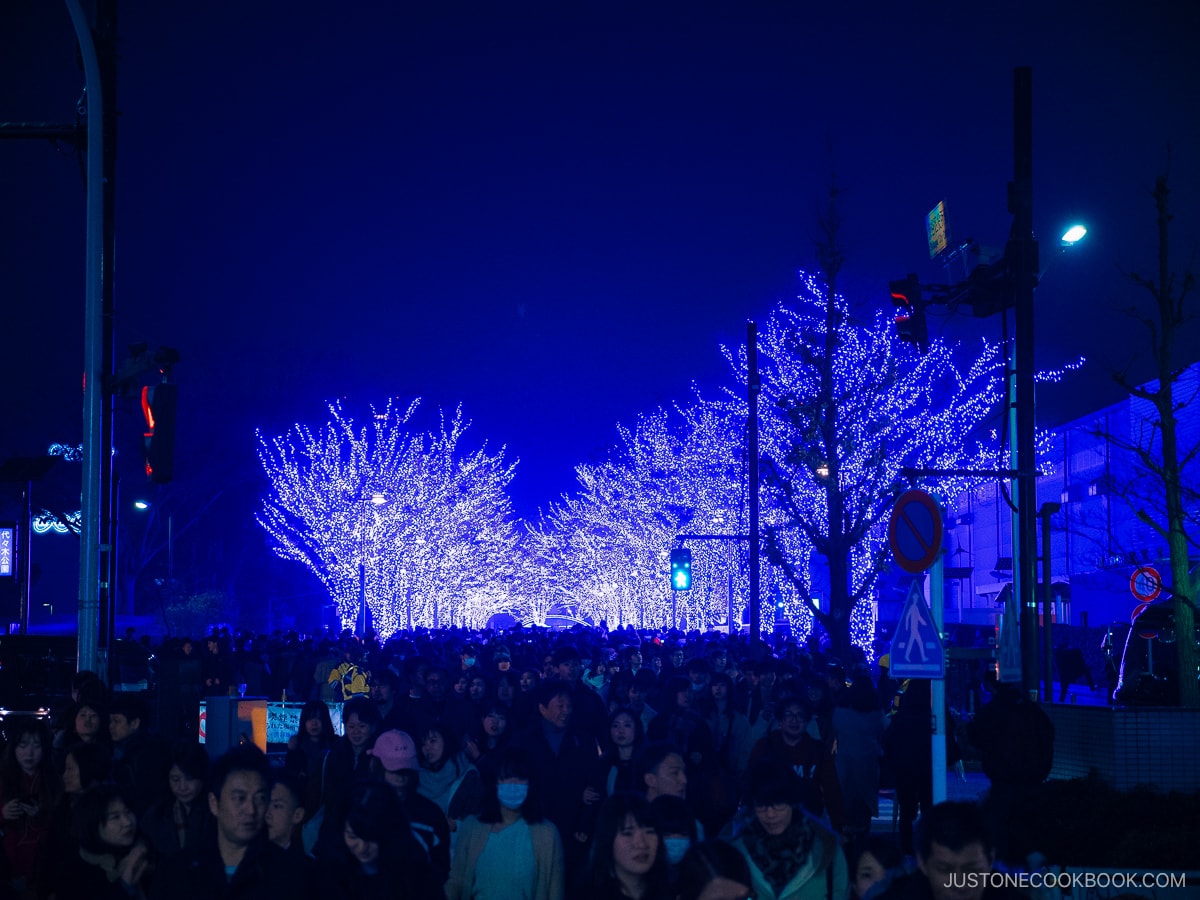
column 555, row 213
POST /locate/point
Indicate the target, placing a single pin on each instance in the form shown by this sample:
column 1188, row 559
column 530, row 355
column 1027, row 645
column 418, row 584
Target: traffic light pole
column 99, row 66
column 753, row 387
column 1022, row 253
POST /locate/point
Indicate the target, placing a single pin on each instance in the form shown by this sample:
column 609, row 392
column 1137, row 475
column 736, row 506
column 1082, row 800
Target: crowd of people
column 526, row 765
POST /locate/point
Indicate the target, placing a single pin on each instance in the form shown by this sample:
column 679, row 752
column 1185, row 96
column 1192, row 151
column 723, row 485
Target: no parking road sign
column 915, row 531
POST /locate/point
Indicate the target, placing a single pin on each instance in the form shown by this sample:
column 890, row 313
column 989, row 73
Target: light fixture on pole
column 375, row 499
column 143, row 505
column 1074, row 235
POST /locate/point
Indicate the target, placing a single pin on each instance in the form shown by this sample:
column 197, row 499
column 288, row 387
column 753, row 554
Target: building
column 1100, row 545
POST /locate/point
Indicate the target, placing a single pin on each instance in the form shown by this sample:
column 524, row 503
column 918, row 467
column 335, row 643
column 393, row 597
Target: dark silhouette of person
column 1015, row 739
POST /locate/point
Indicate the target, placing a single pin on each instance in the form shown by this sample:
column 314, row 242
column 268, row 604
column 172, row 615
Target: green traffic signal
column 681, row 569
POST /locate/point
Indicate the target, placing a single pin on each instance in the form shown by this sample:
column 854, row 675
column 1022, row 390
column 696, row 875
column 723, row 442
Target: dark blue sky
column 554, row 213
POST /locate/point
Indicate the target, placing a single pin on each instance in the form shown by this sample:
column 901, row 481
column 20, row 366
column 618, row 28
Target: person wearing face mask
column 677, row 826
column 508, row 851
column 468, row 657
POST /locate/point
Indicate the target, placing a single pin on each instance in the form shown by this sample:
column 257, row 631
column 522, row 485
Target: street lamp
column 1074, row 235
column 375, row 499
column 142, row 506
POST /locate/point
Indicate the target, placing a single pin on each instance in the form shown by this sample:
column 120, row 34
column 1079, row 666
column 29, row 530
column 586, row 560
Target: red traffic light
column 158, row 409
column 911, row 326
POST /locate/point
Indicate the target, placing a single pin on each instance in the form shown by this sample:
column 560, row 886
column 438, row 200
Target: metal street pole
column 752, row 390
column 937, row 687
column 360, row 621
column 94, row 451
column 1047, row 510
column 1022, row 255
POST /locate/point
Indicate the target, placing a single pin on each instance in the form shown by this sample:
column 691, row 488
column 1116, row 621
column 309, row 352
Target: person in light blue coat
column 791, row 854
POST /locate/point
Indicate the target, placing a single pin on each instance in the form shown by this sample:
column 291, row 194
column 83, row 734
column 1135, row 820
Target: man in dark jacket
column 140, row 758
column 589, row 715
column 569, row 761
column 238, row 862
column 955, row 859
column 1015, row 739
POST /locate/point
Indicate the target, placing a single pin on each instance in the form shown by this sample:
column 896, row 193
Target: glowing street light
column 1073, row 235
column 375, row 499
column 142, row 506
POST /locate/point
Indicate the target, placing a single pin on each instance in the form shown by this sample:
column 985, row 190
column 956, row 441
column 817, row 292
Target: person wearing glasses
column 791, row 854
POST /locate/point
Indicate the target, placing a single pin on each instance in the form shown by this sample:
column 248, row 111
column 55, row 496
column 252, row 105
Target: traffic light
column 910, row 313
column 158, row 408
column 989, row 290
column 681, row 569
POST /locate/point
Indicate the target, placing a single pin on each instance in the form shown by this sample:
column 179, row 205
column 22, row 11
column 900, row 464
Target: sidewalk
column 971, row 785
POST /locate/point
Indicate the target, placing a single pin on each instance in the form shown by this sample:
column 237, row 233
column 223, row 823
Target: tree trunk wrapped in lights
column 845, row 405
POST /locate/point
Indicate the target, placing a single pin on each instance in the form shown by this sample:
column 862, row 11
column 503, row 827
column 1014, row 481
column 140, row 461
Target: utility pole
column 991, row 289
column 1022, row 257
column 1047, row 510
column 98, row 138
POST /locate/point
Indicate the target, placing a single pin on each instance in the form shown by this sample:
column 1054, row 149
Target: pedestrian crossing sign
column 917, row 650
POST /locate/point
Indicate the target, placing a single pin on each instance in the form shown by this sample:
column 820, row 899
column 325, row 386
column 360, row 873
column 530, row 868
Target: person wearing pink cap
column 395, row 763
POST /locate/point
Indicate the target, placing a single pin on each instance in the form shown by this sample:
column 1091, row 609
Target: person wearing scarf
column 791, row 854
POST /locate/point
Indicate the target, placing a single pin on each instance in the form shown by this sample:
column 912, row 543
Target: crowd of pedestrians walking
column 526, row 765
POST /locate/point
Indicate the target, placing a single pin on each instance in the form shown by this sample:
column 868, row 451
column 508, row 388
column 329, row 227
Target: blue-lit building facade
column 1098, row 542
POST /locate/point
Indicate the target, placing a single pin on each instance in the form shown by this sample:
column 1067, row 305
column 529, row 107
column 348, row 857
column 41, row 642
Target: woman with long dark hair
column 29, row 792
column 180, row 818
column 508, row 851
column 308, row 751
column 628, row 861
column 491, row 736
column 623, row 741
column 446, row 777
column 378, row 859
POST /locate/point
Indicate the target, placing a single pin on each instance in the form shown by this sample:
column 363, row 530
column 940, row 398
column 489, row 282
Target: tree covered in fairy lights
column 675, row 470
column 844, row 406
column 444, row 548
column 407, row 519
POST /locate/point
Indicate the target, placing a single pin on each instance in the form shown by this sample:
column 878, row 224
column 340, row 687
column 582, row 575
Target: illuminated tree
column 675, row 471
column 408, row 520
column 844, row 407
column 1165, row 495
column 539, row 583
